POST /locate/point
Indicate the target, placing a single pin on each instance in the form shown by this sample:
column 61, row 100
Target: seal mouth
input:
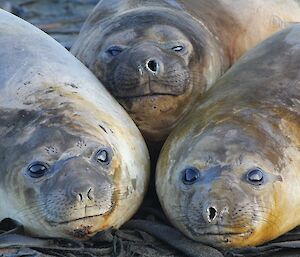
column 244, row 234
column 229, row 234
column 151, row 95
column 151, row 88
column 54, row 223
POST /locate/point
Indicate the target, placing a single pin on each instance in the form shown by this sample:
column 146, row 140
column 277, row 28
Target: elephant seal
column 229, row 174
column 72, row 162
column 157, row 57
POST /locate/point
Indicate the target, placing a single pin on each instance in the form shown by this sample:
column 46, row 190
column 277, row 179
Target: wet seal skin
column 157, row 57
column 72, row 162
column 229, row 174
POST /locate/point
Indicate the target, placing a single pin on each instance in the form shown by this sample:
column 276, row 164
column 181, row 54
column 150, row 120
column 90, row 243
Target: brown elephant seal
column 72, row 162
column 229, row 174
column 157, row 57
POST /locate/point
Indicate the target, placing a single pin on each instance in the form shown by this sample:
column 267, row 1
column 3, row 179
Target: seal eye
column 114, row 50
column 37, row 169
column 255, row 176
column 190, row 176
column 177, row 48
column 103, row 156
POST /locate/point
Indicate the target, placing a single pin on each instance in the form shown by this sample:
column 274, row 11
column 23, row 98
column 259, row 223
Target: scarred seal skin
column 72, row 162
column 157, row 57
column 229, row 174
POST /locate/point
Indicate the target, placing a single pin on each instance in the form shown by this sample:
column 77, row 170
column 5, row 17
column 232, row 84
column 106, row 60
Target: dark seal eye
column 37, row 169
column 255, row 176
column 177, row 48
column 114, row 50
column 190, row 176
column 103, row 156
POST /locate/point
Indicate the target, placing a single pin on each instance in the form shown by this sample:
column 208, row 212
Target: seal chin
column 80, row 228
column 222, row 237
column 83, row 232
column 156, row 115
column 219, row 230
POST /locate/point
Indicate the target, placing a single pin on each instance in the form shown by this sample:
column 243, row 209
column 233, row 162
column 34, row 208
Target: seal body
column 72, row 161
column 157, row 57
column 229, row 174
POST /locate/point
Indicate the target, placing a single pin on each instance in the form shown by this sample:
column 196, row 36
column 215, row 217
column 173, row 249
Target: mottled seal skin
column 229, row 174
column 157, row 57
column 72, row 162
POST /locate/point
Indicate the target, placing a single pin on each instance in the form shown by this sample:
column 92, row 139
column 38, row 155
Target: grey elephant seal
column 72, row 161
column 229, row 174
column 157, row 57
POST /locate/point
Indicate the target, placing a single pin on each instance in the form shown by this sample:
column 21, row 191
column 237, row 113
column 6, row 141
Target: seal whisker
column 269, row 222
column 35, row 210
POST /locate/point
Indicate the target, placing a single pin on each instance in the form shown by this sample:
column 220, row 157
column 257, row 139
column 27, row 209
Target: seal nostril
column 79, row 197
column 90, row 194
column 152, row 65
column 212, row 213
column 83, row 194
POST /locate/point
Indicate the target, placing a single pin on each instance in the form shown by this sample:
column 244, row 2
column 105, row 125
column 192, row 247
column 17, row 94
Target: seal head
column 65, row 179
column 152, row 64
column 221, row 189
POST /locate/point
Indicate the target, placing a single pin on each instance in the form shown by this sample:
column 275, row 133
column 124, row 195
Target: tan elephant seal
column 72, row 162
column 229, row 174
column 157, row 57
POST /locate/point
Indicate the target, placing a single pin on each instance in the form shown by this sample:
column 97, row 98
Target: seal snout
column 92, row 193
column 89, row 192
column 84, row 193
column 148, row 70
column 214, row 213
